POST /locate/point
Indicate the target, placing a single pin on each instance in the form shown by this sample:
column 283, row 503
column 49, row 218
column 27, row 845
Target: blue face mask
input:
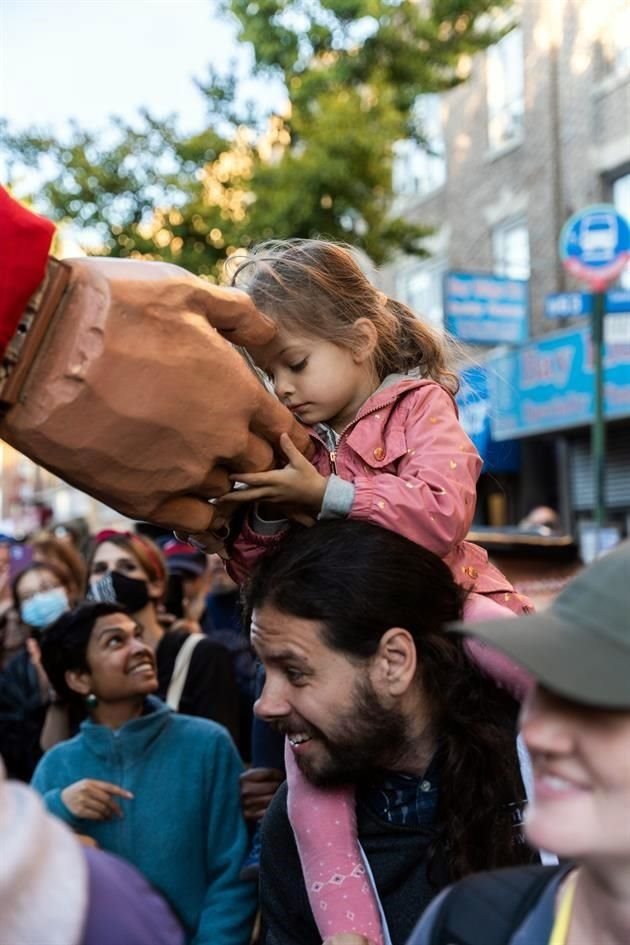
column 42, row 609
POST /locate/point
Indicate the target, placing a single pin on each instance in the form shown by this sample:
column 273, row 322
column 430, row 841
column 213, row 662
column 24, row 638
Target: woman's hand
column 296, row 484
column 94, row 800
column 258, row 786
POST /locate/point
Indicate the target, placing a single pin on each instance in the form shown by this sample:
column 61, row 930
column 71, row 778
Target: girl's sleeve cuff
column 338, row 498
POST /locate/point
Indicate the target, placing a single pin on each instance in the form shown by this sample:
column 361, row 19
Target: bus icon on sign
column 598, row 235
column 594, row 245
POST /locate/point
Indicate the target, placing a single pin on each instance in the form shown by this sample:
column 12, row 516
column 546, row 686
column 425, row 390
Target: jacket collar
column 131, row 740
column 390, row 389
column 386, row 394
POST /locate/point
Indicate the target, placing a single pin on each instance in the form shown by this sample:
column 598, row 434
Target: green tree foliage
column 353, row 70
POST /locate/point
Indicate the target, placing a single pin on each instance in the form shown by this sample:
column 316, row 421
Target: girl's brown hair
column 319, row 288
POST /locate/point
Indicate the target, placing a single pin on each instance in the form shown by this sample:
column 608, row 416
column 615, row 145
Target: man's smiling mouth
column 299, row 738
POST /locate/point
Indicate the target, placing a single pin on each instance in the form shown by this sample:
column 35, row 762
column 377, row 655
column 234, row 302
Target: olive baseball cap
column 580, row 646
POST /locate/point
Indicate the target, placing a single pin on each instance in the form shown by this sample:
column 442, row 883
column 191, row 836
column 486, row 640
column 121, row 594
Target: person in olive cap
column 576, row 724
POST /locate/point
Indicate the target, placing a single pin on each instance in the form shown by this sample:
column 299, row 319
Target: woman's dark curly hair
column 359, row 580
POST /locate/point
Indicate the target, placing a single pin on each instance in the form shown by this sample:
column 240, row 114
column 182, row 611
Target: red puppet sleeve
column 25, row 240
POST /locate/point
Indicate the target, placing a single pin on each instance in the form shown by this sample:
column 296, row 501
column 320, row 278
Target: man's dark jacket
column 398, row 858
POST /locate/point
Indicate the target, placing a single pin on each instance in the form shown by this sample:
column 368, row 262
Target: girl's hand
column 296, row 484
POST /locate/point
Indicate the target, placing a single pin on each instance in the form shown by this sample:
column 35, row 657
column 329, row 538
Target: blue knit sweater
column 183, row 829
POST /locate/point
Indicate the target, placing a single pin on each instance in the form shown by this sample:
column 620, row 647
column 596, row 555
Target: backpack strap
column 487, row 908
column 180, row 670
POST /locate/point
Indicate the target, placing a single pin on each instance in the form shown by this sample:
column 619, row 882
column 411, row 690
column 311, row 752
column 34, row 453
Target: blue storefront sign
column 473, row 402
column 569, row 304
column 548, row 385
column 486, row 309
column 595, row 245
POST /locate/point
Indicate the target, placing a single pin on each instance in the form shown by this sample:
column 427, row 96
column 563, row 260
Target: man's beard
column 367, row 740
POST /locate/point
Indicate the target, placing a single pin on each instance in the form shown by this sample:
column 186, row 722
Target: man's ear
column 395, row 661
column 78, row 681
column 365, row 340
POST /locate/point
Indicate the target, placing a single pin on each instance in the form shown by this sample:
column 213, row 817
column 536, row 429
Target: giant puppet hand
column 136, row 397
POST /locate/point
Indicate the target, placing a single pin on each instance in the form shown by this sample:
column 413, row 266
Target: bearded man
column 347, row 620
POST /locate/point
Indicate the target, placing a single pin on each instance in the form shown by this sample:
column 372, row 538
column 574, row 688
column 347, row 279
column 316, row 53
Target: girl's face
column 317, row 380
column 581, row 761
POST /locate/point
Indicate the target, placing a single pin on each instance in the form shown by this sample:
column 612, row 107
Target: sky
column 89, row 59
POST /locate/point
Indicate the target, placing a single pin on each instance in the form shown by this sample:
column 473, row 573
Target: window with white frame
column 510, row 249
column 621, row 200
column 420, row 287
column 505, row 80
column 421, row 169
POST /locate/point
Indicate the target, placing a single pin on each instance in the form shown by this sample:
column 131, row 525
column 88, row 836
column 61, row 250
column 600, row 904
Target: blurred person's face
column 42, row 597
column 34, row 582
column 220, row 580
column 121, row 665
column 581, row 761
column 109, row 558
column 192, row 585
column 339, row 722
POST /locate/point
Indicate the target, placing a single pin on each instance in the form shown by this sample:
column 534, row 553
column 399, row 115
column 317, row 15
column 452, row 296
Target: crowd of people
column 343, row 723
column 372, row 684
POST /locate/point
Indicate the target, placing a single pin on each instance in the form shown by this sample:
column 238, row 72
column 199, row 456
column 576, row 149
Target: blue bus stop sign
column 595, row 245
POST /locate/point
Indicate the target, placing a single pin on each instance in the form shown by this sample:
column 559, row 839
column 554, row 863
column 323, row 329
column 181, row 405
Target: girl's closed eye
column 296, row 368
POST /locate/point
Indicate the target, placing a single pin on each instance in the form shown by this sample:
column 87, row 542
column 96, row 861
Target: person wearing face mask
column 41, row 593
column 195, row 674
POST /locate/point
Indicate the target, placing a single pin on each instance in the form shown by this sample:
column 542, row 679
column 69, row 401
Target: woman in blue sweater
column 160, row 790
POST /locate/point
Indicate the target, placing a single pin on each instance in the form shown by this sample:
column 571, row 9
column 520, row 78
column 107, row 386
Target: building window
column 510, row 249
column 421, row 168
column 505, row 90
column 614, row 47
column 621, row 200
column 420, row 287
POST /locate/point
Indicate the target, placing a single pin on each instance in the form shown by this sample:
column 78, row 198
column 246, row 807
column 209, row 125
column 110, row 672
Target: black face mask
column 117, row 588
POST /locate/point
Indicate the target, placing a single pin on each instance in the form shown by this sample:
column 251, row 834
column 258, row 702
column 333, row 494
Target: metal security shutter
column 617, row 470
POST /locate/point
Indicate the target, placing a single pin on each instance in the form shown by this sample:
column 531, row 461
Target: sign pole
column 598, row 430
column 595, row 247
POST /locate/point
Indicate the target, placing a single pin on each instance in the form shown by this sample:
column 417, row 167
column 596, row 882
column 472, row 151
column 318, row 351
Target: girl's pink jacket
column 415, row 472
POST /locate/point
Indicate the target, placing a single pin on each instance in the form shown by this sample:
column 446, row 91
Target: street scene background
column 449, row 154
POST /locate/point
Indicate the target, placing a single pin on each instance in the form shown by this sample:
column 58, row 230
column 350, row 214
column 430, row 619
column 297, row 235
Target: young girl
column 370, row 380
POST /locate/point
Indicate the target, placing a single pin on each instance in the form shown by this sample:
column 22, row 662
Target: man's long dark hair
column 359, row 580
